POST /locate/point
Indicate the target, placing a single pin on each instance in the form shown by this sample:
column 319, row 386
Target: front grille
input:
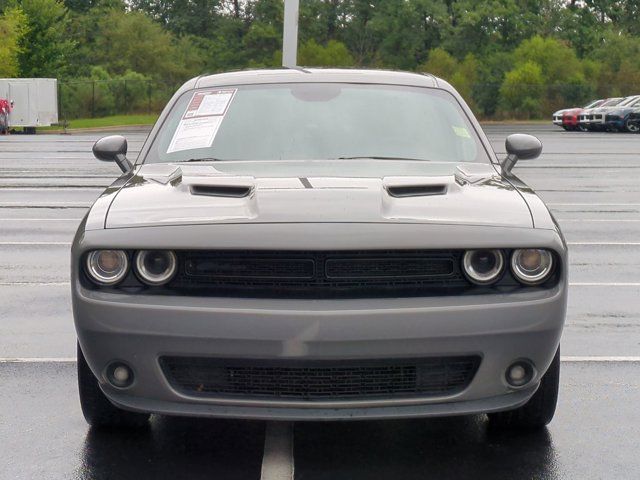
column 319, row 274
column 319, row 380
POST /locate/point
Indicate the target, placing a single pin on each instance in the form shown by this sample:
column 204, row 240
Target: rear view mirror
column 113, row 149
column 520, row 146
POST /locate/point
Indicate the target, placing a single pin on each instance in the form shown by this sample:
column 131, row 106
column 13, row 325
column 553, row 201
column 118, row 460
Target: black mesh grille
column 319, row 274
column 320, row 380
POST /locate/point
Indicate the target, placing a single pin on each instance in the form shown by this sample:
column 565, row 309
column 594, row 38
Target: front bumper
column 140, row 329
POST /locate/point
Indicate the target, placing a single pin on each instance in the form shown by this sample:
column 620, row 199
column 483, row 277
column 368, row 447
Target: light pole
column 290, row 33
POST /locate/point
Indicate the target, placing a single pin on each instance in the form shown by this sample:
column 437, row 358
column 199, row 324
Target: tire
column 539, row 410
column 583, row 128
column 566, row 128
column 632, row 126
column 98, row 411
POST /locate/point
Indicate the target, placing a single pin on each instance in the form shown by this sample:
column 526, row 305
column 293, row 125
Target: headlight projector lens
column 156, row 267
column 532, row 266
column 483, row 267
column 107, row 267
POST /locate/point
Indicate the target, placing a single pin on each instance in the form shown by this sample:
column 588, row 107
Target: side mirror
column 113, row 149
column 520, row 147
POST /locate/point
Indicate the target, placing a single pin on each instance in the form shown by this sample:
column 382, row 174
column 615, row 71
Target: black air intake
column 402, row 191
column 230, row 191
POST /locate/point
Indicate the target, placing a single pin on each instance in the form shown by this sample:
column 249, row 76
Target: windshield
column 316, row 121
column 595, row 103
column 628, row 101
column 612, row 102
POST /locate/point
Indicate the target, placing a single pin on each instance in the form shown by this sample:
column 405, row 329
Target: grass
column 114, row 121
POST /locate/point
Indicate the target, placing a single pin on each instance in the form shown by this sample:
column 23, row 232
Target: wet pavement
column 591, row 183
column 594, row 436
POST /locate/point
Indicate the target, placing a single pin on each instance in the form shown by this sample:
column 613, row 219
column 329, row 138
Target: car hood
column 317, row 191
column 620, row 111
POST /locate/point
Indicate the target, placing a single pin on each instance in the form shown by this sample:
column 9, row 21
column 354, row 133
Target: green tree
column 334, row 54
column 45, row 48
column 490, row 25
column 13, row 27
column 462, row 75
column 522, row 91
column 440, row 63
column 132, row 41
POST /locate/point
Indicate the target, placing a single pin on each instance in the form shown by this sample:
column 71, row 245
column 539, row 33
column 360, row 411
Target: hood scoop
column 228, row 187
column 404, row 187
column 416, row 190
column 229, row 191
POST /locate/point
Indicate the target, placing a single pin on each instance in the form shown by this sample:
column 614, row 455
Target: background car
column 618, row 118
column 586, row 118
column 633, row 121
column 569, row 118
column 598, row 120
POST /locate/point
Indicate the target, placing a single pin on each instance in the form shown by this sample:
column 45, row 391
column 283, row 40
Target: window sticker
column 201, row 121
column 461, row 131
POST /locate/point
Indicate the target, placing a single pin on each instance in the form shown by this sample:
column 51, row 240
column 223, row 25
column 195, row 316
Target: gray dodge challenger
column 310, row 244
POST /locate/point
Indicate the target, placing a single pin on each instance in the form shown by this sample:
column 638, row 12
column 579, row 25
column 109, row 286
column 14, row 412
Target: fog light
column 119, row 375
column 520, row 373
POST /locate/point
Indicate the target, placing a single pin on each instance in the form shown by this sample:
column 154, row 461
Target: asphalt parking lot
column 590, row 181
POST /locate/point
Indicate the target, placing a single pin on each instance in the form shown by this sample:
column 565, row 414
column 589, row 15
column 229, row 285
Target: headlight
column 156, row 267
column 107, row 267
column 483, row 267
column 531, row 266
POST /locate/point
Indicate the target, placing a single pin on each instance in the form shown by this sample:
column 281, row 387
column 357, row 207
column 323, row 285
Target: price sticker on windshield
column 201, row 120
column 461, row 131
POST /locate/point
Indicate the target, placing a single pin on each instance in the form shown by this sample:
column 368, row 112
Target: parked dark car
column 618, row 119
column 633, row 121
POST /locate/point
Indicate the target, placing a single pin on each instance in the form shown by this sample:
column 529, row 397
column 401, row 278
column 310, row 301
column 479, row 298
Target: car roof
column 329, row 75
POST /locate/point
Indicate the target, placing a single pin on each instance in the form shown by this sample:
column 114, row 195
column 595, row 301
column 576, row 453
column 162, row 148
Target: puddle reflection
column 173, row 448
column 460, row 447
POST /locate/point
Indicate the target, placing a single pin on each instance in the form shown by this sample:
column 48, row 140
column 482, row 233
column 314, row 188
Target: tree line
column 509, row 58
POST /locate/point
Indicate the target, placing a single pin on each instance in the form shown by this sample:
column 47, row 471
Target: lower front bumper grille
column 320, row 380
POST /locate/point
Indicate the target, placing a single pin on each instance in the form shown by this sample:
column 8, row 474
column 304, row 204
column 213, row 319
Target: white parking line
column 634, row 244
column 593, row 204
column 598, row 220
column 277, row 462
column 34, row 243
column 277, row 430
column 38, row 360
column 40, row 219
column 24, row 205
column 601, row 359
column 571, row 284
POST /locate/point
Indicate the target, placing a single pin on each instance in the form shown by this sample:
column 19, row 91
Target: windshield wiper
column 205, row 159
column 378, row 157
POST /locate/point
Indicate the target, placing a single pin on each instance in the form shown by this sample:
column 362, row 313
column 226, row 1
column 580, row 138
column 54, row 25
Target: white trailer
column 35, row 101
